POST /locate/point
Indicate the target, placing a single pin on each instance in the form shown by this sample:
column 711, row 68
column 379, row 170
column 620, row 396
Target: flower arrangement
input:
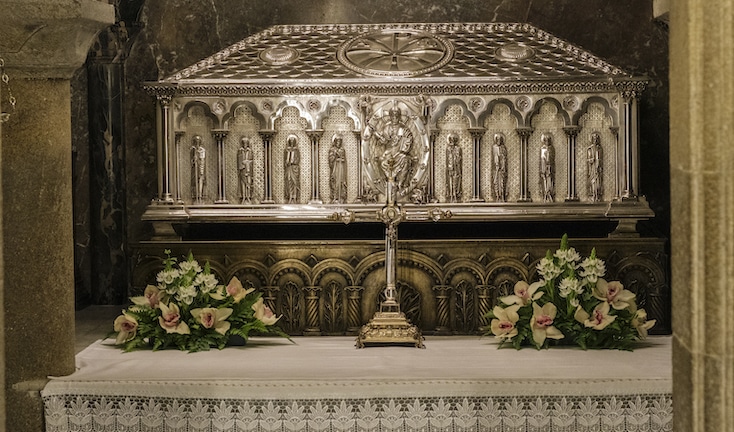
column 571, row 303
column 189, row 310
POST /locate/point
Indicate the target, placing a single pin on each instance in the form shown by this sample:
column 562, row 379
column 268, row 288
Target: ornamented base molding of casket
column 470, row 212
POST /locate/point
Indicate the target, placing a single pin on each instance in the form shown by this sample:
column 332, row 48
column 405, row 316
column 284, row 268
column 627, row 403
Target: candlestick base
column 389, row 327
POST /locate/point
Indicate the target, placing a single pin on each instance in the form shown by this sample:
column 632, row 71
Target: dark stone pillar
column 44, row 46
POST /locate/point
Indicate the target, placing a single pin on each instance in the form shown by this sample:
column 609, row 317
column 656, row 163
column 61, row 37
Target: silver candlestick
column 389, row 326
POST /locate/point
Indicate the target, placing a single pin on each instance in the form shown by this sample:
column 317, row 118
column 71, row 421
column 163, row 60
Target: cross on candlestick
column 389, row 326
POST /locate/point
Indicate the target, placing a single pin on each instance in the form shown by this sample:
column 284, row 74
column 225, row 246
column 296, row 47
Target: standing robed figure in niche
column 244, row 167
column 547, row 167
column 292, row 170
column 594, row 167
column 453, row 169
column 198, row 169
column 338, row 170
column 499, row 168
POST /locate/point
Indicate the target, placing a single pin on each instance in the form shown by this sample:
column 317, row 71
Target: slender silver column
column 629, row 143
column 617, row 177
column 164, row 102
column 431, row 196
column 571, row 133
column 219, row 136
column 476, row 134
column 314, row 136
column 524, row 133
column 267, row 137
column 177, row 166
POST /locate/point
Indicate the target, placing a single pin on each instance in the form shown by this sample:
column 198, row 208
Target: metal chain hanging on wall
column 5, row 116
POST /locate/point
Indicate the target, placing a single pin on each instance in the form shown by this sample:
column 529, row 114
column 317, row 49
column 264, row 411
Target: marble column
column 108, row 218
column 43, row 43
column 702, row 203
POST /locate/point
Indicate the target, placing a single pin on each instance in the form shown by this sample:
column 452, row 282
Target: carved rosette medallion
column 395, row 53
column 395, row 141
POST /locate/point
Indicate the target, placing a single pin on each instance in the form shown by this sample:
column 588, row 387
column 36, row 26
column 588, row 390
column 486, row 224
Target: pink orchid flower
column 503, row 326
column 126, row 327
column 170, row 319
column 524, row 293
column 213, row 318
column 614, row 293
column 542, row 323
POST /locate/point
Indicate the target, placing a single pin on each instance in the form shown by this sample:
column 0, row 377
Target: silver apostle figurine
column 245, row 170
column 453, row 169
column 499, row 168
column 594, row 167
column 547, row 167
column 198, row 169
column 338, row 170
column 292, row 170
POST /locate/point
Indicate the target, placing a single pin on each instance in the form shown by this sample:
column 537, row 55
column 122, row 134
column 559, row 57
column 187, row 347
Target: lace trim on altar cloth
column 640, row 412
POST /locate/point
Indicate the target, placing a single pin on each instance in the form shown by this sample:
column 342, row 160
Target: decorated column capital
column 630, row 90
column 50, row 38
column 571, row 131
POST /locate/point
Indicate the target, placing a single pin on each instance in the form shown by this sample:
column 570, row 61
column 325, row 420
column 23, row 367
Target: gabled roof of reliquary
column 398, row 58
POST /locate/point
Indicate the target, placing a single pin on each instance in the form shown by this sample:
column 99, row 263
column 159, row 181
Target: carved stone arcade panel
column 487, row 121
column 333, row 288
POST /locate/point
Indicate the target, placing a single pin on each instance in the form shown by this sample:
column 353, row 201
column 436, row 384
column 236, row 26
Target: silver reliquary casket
column 476, row 121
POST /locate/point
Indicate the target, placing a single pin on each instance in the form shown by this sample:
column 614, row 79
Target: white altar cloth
column 325, row 383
